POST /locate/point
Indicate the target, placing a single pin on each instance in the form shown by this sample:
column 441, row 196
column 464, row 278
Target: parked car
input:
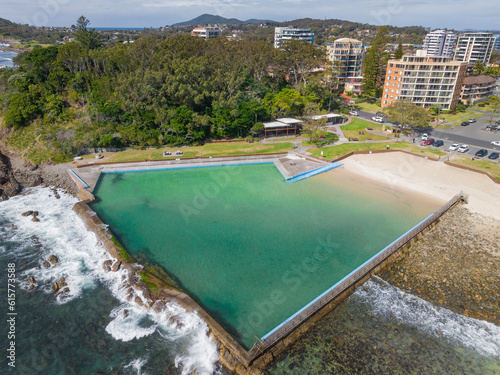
column 354, row 113
column 493, row 127
column 495, row 143
column 438, row 143
column 472, row 120
column 481, row 153
column 465, row 123
column 463, row 148
column 429, row 141
column 425, row 136
column 454, row 147
column 494, row 155
column 378, row 119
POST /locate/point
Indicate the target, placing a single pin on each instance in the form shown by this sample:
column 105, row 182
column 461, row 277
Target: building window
column 391, row 65
column 388, row 84
column 392, row 90
column 385, row 95
column 389, row 71
column 392, row 96
column 397, row 97
column 397, row 91
column 389, row 78
column 385, row 101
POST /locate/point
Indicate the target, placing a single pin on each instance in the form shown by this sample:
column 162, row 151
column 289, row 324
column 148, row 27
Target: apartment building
column 496, row 46
column 292, row 33
column 349, row 54
column 477, row 88
column 440, row 43
column 475, row 47
column 425, row 80
column 207, row 32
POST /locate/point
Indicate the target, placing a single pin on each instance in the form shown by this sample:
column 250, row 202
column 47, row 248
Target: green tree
column 375, row 64
column 407, row 113
column 312, row 125
column 90, row 38
column 399, row 52
column 478, row 68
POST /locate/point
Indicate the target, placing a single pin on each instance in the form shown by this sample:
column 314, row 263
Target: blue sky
column 457, row 14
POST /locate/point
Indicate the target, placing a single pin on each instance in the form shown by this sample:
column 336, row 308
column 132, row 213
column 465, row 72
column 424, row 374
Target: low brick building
column 477, row 88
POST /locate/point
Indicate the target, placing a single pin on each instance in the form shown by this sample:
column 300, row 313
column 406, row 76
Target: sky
column 453, row 14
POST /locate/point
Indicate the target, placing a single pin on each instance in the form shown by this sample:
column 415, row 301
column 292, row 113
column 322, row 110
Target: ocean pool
column 247, row 246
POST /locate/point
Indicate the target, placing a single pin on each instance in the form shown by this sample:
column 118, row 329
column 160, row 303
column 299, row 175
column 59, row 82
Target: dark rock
column 35, row 213
column 27, row 213
column 138, row 301
column 116, row 266
column 53, row 259
column 32, row 279
column 62, row 282
column 46, row 264
column 55, row 287
column 34, row 218
column 13, row 227
column 125, row 313
column 106, row 265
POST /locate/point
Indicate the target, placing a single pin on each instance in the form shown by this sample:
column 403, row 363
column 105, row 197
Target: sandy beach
column 431, row 178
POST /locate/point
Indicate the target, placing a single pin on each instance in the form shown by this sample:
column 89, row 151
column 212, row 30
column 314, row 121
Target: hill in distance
column 210, row 19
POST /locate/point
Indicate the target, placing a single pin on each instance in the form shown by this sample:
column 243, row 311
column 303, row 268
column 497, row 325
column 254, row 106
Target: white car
column 454, row 147
column 463, row 148
column 495, row 143
column 378, row 119
column 425, row 136
column 353, row 113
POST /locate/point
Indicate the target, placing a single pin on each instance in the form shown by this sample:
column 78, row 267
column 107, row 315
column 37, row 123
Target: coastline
column 464, row 296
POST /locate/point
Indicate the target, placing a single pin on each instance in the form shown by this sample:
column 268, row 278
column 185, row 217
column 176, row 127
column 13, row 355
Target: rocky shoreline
column 17, row 173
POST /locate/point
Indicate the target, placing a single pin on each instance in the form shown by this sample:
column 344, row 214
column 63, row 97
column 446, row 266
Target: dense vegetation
column 180, row 90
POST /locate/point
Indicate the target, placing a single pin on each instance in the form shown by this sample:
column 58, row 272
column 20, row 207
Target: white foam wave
column 387, row 300
column 63, row 234
column 137, row 364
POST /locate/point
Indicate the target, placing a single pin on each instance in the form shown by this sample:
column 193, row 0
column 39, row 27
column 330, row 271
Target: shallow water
column 251, row 248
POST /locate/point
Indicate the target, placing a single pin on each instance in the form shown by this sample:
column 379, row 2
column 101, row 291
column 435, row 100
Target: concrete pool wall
column 232, row 355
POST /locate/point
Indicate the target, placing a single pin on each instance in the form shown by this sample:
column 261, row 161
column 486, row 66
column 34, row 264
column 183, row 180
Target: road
column 474, row 135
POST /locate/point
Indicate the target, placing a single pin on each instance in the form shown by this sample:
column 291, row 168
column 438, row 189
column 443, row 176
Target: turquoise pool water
column 249, row 247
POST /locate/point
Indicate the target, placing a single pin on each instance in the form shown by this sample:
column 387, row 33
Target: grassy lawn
column 352, row 130
column 335, row 152
column 369, row 107
column 210, row 149
column 492, row 167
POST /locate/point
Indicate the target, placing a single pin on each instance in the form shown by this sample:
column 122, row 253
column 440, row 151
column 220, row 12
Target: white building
column 440, row 43
column 474, row 47
column 291, row 33
column 207, row 32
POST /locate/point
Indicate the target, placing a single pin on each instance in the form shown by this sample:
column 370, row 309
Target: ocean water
column 249, row 247
column 383, row 330
column 6, row 58
column 93, row 330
